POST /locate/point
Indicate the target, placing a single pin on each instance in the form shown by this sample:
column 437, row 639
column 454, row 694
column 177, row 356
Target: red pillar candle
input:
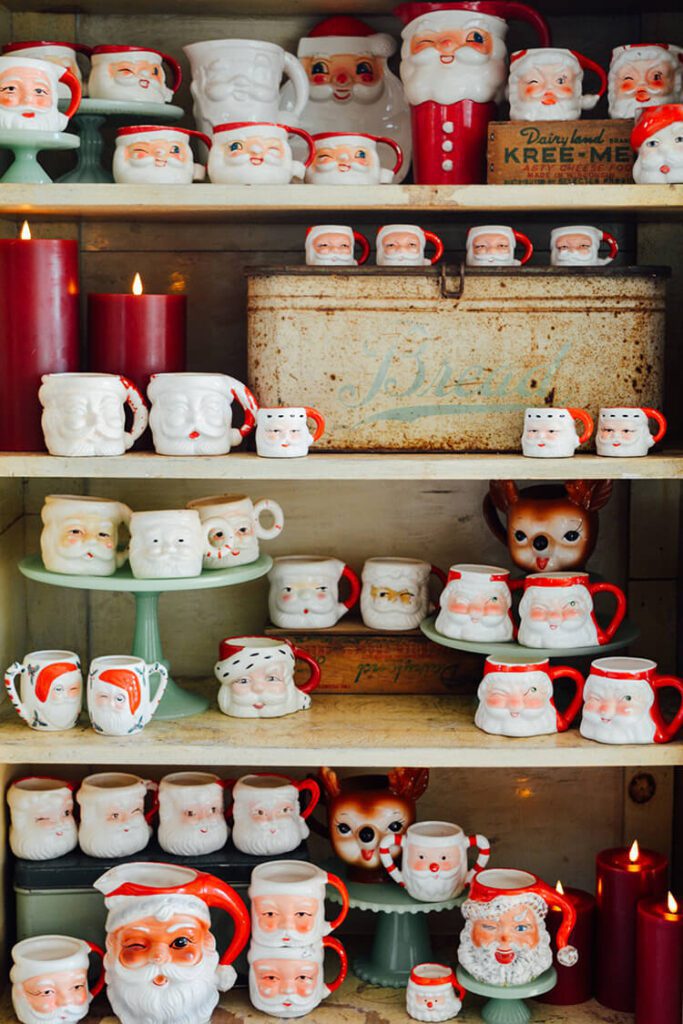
column 623, row 878
column 38, row 330
column 574, row 984
column 659, row 954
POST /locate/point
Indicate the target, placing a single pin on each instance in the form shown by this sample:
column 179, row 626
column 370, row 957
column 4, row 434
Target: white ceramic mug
column 50, row 689
column 256, row 676
column 656, row 140
column 113, row 818
column 289, row 982
column 333, row 245
column 516, row 698
column 351, row 158
column 433, row 993
column 64, row 55
column 83, row 413
column 236, row 527
column 119, row 694
column 283, row 432
column 80, row 534
column 155, row 155
column 551, row 433
column 434, row 865
column 403, row 245
column 643, row 75
column 49, row 977
column 624, row 431
column 192, row 814
column 42, row 818
column 395, row 593
column 493, row 245
column 171, row 543
column 257, row 153
column 191, row 413
column 304, row 591
column 132, row 74
column 476, row 604
column 556, row 610
column 287, row 900
column 578, row 245
column 546, row 84
column 29, row 91
column 621, row 702
column 268, row 819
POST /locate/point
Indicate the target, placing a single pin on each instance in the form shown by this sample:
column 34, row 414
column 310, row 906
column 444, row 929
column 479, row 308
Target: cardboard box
column 560, row 152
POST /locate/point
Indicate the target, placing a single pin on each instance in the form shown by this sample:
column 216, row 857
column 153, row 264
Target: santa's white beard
column 189, row 840
column 315, row 259
column 402, row 259
column 619, row 729
column 294, row 700
column 527, row 722
column 627, row 106
column 433, row 886
column 418, row 1011
column 137, row 90
column 472, row 75
column 60, row 715
column 358, row 94
column 33, row 844
column 189, row 997
column 60, row 1015
column 103, row 839
column 83, row 559
column 576, row 259
column 647, row 168
column 314, row 618
column 491, row 260
column 241, row 87
column 482, row 964
column 297, row 1006
column 164, row 567
column 270, row 838
column 275, row 170
column 114, row 723
column 388, row 616
column 299, row 448
column 565, row 109
column 542, row 634
column 330, row 174
column 461, row 627
column 41, row 121
column 173, row 173
column 101, row 440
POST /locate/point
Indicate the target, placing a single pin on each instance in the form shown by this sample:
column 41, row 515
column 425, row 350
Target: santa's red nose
column 433, row 867
column 342, row 78
column 665, row 168
column 429, row 1005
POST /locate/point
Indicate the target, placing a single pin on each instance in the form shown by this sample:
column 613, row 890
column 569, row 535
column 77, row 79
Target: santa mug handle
column 313, row 680
column 138, row 407
column 240, row 393
column 482, row 844
column 611, row 241
column 565, row 719
column 152, row 787
column 99, row 984
column 310, row 144
column 293, row 69
column 308, row 786
column 355, row 585
column 219, row 525
column 122, row 553
column 157, row 668
column 526, row 244
column 329, row 942
column 387, row 860
column 69, row 79
column 510, row 10
column 566, row 955
column 586, row 421
column 437, row 243
column 10, row 685
column 667, row 730
column 364, row 248
column 336, row 883
column 175, row 68
column 589, row 100
column 199, row 171
column 660, row 420
column 607, row 634
column 393, row 144
column 268, row 532
column 313, row 414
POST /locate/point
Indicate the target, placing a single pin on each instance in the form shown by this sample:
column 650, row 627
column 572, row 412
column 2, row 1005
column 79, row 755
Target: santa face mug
column 80, row 535
column 283, row 432
column 191, row 413
column 289, row 982
column 132, row 74
column 551, row 433
column 332, row 245
column 556, row 610
column 304, row 591
column 192, row 814
column 256, row 676
column 476, row 604
column 547, row 85
column 257, row 153
column 403, row 245
column 643, row 75
column 119, row 694
column 42, row 818
column 171, row 543
column 154, row 155
column 579, row 246
column 49, row 977
column 624, row 431
column 345, row 158
column 516, row 698
column 83, row 413
column 50, row 689
column 64, row 55
column 288, row 903
column 434, row 865
column 267, row 817
column 621, row 702
column 236, row 527
column 658, row 141
column 113, row 818
column 433, row 993
column 395, row 592
column 493, row 245
column 29, row 91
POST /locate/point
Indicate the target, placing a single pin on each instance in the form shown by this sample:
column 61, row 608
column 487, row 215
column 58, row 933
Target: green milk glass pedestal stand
column 506, row 1005
column 176, row 702
column 25, row 145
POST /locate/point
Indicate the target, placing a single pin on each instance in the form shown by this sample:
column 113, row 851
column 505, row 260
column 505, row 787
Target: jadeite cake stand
column 176, row 702
column 26, row 145
column 506, row 1004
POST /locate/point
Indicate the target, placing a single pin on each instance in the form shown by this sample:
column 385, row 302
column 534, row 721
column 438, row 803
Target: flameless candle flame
column 137, row 288
column 671, row 904
column 559, row 888
column 634, row 852
column 25, row 232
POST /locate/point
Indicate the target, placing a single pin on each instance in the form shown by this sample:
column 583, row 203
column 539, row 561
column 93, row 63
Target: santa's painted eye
column 319, row 68
column 651, row 143
column 520, row 536
column 343, row 828
column 364, row 68
column 678, row 140
column 658, row 77
column 360, row 154
column 627, row 696
column 572, row 536
column 181, row 942
column 235, row 147
column 396, row 826
column 475, row 37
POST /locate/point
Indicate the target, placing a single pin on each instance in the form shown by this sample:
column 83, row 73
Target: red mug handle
column 310, row 144
column 249, row 406
column 99, row 984
column 175, row 68
column 355, row 587
column 313, row 680
column 610, row 588
column 74, row 86
column 152, row 787
column 585, row 420
column 337, row 884
column 512, row 11
column 437, row 243
column 589, row 65
column 565, row 719
column 667, row 731
column 228, row 785
column 440, row 575
column 460, row 991
column 660, row 420
column 526, row 243
column 45, row 778
column 364, row 247
column 199, row 135
column 331, row 943
column 312, row 787
column 612, row 243
column 396, row 148
column 319, row 421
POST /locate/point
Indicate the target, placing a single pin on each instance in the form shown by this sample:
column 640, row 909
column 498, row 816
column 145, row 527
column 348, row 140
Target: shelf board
column 419, row 730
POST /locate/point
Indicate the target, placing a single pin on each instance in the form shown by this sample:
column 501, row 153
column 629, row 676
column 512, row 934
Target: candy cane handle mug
column 579, row 246
column 191, row 413
column 49, row 977
column 283, row 433
column 403, row 245
column 51, row 689
column 331, row 245
column 622, row 702
column 83, row 413
column 624, row 431
column 433, row 993
column 234, row 527
column 434, row 865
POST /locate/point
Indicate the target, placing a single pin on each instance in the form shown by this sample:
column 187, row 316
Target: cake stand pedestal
column 506, row 1003
column 25, row 145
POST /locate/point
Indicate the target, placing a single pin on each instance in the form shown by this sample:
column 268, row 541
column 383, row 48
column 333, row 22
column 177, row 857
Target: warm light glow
column 25, row 232
column 671, row 904
column 137, row 288
column 634, row 852
column 559, row 887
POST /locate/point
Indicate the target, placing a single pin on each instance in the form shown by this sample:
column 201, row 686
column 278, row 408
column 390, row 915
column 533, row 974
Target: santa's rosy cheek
column 304, row 987
column 319, row 79
column 571, row 613
column 626, row 86
column 497, row 700
column 564, row 90
column 533, row 700
column 538, row 614
column 321, row 597
column 305, row 924
column 532, row 89
column 494, row 608
column 458, row 608
column 592, row 705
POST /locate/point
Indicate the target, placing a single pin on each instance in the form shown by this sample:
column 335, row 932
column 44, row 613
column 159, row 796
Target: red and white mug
column 551, row 433
column 434, row 866
column 556, row 610
column 351, row 158
column 282, row 432
column 149, row 154
column 621, row 702
column 578, row 245
column 256, row 676
column 546, row 84
column 433, row 993
column 268, row 819
column 257, row 153
column 333, row 245
column 29, row 92
column 516, row 698
column 132, row 74
column 476, row 604
column 493, row 245
column 403, row 245
column 288, row 903
column 289, row 982
column 624, row 431
column 304, row 591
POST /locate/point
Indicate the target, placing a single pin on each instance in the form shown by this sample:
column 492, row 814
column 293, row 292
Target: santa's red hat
column 126, row 680
column 343, row 34
column 47, row 676
column 653, row 119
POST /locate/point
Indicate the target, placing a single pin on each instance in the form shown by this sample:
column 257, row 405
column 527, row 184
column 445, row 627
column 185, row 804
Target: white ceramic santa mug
column 267, row 816
column 493, row 245
column 49, row 977
column 476, row 604
column 50, row 689
column 578, row 245
column 624, row 431
column 304, row 591
column 289, row 982
column 517, row 698
column 551, row 433
column 643, row 75
column 433, row 993
column 658, row 141
column 556, row 610
column 546, row 84
column 403, row 245
column 192, row 814
column 132, row 74
column 288, row 903
column 64, row 55
column 171, row 543
column 113, row 818
column 256, row 676
column 191, row 413
column 351, row 158
column 236, row 527
column 80, row 535
column 282, row 432
column 83, row 413
column 434, row 865
column 257, row 153
column 119, row 695
column 621, row 702
column 29, row 92
column 147, row 154
column 333, row 245
column 42, row 823
column 395, row 592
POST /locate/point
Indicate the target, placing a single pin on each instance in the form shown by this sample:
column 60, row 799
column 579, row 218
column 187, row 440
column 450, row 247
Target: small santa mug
column 304, row 591
column 403, row 245
column 516, row 698
column 257, row 153
column 119, row 695
column 171, row 543
column 333, row 245
column 113, row 818
column 434, row 865
column 83, row 413
column 132, row 74
column 64, row 55
column 288, row 903
column 351, row 158
column 395, row 592
column 658, row 141
column 50, row 689
column 289, row 982
column 578, row 245
column 546, row 84
column 556, row 610
column 80, row 534
column 283, row 432
column 551, row 433
column 644, row 75
column 49, row 977
column 433, row 993
column 148, row 154
column 256, row 676
column 267, row 817
column 191, row 413
column 192, row 814
column 621, row 702
column 42, row 825
column 624, row 431
column 476, row 604
column 29, row 92
column 236, row 527
column 493, row 245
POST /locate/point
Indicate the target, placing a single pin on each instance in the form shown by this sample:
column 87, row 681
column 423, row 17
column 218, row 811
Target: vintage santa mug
column 403, row 245
column 551, row 433
column 113, row 818
column 191, row 413
column 236, row 528
column 42, row 824
column 556, row 610
column 80, row 534
column 83, row 413
column 119, row 695
column 162, row 964
column 505, row 940
column 287, row 900
column 547, row 85
column 147, row 154
column 476, row 604
column 658, row 141
column 621, row 702
column 267, row 816
column 132, row 74
column 49, row 977
column 332, row 245
column 50, row 689
column 304, row 591
column 395, row 592
column 624, row 431
column 283, row 432
column 192, row 814
column 171, row 543
column 434, row 864
column 289, row 982
column 516, row 698
column 257, row 153
column 493, row 245
column 64, row 55
column 579, row 246
column 351, row 158
column 643, row 75
column 433, row 993
column 256, row 676
column 29, row 91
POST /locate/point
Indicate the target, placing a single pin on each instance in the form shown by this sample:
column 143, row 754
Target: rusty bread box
column 560, row 152
column 447, row 359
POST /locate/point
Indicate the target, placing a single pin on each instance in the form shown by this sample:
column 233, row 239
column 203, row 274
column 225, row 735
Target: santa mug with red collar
column 433, row 993
column 191, row 413
column 304, row 591
column 476, row 604
column 621, row 702
column 516, row 698
column 49, row 977
column 546, row 85
column 192, row 814
column 658, row 141
column 351, row 158
column 644, row 75
column 113, row 818
column 551, row 433
column 119, row 696
column 148, row 154
column 403, row 245
column 50, row 689
column 579, row 246
column 42, row 823
column 282, row 432
column 257, row 153
column 395, row 592
column 290, row 982
column 493, row 245
column 624, row 431
column 132, row 74
column 333, row 245
column 64, row 55
column 434, row 864
column 29, row 91
column 256, row 676
column 235, row 527
column 556, row 610
column 268, row 819
column 288, row 903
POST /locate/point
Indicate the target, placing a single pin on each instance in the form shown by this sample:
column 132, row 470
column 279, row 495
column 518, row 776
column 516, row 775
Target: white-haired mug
column 132, row 74
column 434, row 864
column 119, row 693
column 624, row 431
column 433, row 993
column 171, row 543
column 395, row 592
column 257, row 153
column 403, row 245
column 192, row 817
column 84, row 413
column 147, row 154
column 29, row 93
column 351, row 158
column 578, row 245
column 556, row 610
column 282, row 432
column 267, row 816
column 517, row 698
column 236, row 527
column 546, row 84
column 476, row 604
column 643, row 75
column 621, row 702
column 42, row 823
column 114, row 822
column 333, row 245
column 494, row 245
column 50, row 689
column 551, row 433
column 80, row 535
column 304, row 591
column 64, row 55
column 287, row 900
column 49, row 977
column 256, row 677
column 289, row 982
column 191, row 413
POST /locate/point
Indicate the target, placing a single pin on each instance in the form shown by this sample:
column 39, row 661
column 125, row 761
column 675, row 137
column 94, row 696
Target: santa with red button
column 658, row 140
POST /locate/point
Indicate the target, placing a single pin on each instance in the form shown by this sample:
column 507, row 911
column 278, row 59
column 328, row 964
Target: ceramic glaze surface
column 157, row 156
column 29, row 92
column 403, row 245
column 351, row 159
column 191, row 814
column 268, row 819
column 395, row 593
column 50, row 689
column 256, row 676
column 329, row 245
column 434, row 863
column 288, row 983
column 283, row 433
column 64, row 55
column 493, row 245
column 83, row 413
column 546, row 84
column 625, row 431
column 578, row 245
column 80, row 535
column 643, row 75
column 304, row 591
column 556, row 610
column 120, row 701
column 167, row 544
column 551, row 433
column 476, row 604
column 433, row 994
column 288, row 904
column 191, row 413
column 131, row 74
column 235, row 528
column 658, row 141
column 257, row 153
column 113, row 820
column 42, row 818
column 622, row 703
column 49, row 979
column 517, row 699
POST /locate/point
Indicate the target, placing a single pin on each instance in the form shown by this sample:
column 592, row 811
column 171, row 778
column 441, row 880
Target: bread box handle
column 452, row 293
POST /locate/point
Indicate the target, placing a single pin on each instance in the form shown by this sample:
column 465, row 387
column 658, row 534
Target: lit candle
column 659, row 952
column 574, row 984
column 39, row 329
column 624, row 876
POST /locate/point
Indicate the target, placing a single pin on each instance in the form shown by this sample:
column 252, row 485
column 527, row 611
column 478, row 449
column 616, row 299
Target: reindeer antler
column 591, row 495
column 330, row 782
column 408, row 782
column 504, row 494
